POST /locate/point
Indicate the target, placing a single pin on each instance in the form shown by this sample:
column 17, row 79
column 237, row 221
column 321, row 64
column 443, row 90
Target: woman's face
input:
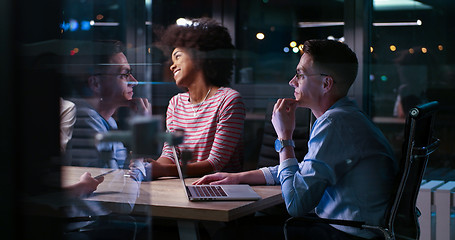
column 183, row 67
column 117, row 82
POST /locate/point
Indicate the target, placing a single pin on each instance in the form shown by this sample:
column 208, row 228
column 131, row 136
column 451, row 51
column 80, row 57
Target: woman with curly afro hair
column 210, row 113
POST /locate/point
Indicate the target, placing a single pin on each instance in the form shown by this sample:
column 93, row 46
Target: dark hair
column 92, row 58
column 209, row 44
column 102, row 52
column 336, row 57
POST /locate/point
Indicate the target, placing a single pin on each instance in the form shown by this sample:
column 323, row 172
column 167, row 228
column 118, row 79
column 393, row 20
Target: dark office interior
column 418, row 37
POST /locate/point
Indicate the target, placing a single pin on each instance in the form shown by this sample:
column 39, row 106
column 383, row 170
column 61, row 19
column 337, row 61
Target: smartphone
column 103, row 174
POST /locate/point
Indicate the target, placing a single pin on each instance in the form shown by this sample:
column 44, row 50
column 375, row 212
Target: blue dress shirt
column 82, row 150
column 347, row 173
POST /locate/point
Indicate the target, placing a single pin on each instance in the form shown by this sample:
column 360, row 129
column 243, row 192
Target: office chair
column 401, row 216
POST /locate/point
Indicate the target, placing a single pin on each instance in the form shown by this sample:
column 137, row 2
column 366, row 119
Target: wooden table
column 166, row 198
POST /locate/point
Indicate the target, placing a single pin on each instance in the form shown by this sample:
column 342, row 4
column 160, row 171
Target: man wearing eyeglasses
column 349, row 168
column 105, row 84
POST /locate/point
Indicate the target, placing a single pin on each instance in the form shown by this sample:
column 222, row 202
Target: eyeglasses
column 301, row 76
column 123, row 76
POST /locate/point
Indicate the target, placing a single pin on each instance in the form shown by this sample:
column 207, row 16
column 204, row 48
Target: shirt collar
column 342, row 101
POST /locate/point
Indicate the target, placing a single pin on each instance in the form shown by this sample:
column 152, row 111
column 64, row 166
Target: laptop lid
column 214, row 192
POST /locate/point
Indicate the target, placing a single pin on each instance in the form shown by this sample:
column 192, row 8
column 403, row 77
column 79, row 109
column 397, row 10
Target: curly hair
column 209, row 45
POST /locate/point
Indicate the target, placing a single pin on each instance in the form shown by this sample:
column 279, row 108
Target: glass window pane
column 412, row 63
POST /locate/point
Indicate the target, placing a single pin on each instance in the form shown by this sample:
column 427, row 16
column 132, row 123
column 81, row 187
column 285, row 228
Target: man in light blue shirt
column 349, row 170
column 82, row 148
column 103, row 80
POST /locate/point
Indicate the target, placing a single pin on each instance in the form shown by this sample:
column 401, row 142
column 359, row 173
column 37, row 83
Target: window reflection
column 409, row 66
column 410, row 60
column 262, row 33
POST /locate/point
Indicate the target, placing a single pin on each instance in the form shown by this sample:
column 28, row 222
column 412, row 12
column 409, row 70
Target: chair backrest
column 419, row 143
column 267, row 154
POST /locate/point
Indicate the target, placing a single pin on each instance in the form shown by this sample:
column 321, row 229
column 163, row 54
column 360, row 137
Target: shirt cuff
column 268, row 176
column 287, row 163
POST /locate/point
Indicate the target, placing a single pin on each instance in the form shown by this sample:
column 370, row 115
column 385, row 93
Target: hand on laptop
column 218, row 179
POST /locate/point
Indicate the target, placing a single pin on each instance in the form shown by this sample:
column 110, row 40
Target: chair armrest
column 302, row 220
column 79, row 219
column 427, row 150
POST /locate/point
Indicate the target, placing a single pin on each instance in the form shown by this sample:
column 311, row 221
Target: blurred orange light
column 424, row 50
column 393, row 48
column 371, row 49
column 99, row 17
column 411, row 50
column 440, row 47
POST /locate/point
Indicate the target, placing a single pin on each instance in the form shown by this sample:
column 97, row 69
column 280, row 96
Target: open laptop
column 216, row 192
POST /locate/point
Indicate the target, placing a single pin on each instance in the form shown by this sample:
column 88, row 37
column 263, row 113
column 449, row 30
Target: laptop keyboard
column 209, row 191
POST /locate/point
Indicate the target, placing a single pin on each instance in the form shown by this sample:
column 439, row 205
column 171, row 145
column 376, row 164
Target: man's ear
column 328, row 83
column 94, row 83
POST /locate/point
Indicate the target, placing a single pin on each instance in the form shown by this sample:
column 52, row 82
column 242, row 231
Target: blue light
column 286, row 49
column 65, row 26
column 372, row 77
column 150, row 83
column 74, row 25
column 85, row 25
column 384, row 78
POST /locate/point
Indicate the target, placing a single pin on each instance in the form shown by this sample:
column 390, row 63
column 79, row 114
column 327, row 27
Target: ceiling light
column 382, row 24
column 391, row 5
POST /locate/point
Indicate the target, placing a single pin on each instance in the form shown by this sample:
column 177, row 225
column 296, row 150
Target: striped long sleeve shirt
column 213, row 129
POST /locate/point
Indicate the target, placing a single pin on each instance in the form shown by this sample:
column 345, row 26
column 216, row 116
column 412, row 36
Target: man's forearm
column 253, row 177
column 287, row 152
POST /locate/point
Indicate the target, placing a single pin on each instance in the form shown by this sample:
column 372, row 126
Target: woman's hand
column 218, row 178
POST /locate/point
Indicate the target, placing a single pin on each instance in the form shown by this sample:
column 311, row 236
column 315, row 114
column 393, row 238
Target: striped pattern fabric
column 214, row 133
